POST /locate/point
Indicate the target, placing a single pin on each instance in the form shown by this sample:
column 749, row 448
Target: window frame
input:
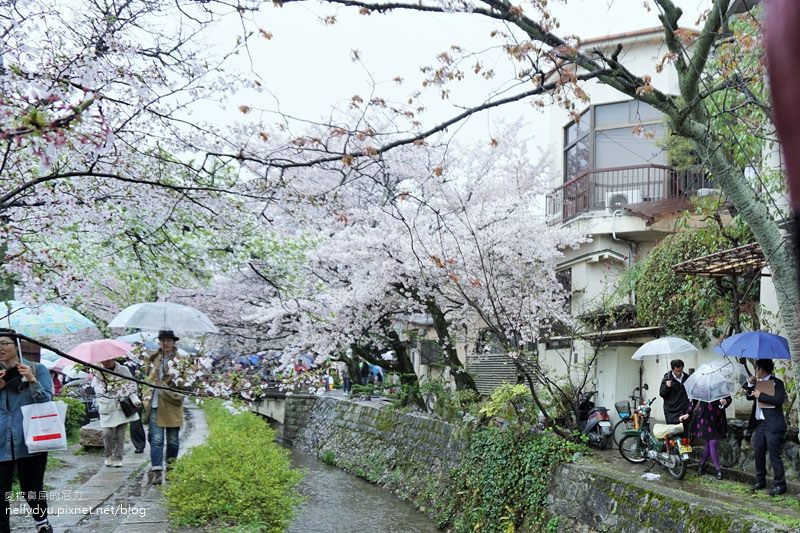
column 590, row 112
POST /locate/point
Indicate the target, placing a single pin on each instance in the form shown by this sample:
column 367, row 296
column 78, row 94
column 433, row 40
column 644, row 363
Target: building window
column 564, row 277
column 577, row 148
column 606, row 137
column 430, row 352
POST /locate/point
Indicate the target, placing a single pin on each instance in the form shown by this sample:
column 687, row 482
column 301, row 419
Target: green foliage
column 328, row 457
column 687, row 305
column 450, row 405
column 503, row 480
column 239, row 477
column 358, row 390
column 76, row 416
column 682, row 152
column 510, row 402
column 54, row 463
column 407, row 394
column 742, row 115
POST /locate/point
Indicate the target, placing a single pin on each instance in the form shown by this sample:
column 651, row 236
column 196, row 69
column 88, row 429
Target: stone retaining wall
column 589, row 498
column 407, row 454
column 297, row 409
column 411, row 455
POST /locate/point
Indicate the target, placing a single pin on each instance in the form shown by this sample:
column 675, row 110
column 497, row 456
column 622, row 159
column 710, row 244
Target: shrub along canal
column 337, row 502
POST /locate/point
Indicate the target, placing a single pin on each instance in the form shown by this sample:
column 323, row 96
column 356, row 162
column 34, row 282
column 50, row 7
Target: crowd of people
column 24, row 382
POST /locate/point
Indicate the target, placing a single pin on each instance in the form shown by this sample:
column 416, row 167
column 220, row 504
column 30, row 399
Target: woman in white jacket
column 109, row 390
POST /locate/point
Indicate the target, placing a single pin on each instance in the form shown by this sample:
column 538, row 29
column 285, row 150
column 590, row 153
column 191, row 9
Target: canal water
column 337, row 502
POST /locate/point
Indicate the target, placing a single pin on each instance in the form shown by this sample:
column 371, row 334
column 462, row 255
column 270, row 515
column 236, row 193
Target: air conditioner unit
column 622, row 198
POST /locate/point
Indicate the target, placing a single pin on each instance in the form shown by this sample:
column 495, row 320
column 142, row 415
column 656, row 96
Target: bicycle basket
column 623, row 409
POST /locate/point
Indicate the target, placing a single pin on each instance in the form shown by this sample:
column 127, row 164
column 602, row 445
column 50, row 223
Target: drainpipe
column 631, row 249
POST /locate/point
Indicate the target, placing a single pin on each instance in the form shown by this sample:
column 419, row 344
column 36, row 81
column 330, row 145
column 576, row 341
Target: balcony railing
column 613, row 188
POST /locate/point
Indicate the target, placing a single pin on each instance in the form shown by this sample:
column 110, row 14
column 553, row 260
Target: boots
column 701, row 469
column 154, row 477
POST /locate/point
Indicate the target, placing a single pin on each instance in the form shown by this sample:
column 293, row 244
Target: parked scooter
column 663, row 444
column 594, row 421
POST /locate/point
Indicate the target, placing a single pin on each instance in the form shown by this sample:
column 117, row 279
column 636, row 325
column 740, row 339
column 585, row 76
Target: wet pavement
column 86, row 496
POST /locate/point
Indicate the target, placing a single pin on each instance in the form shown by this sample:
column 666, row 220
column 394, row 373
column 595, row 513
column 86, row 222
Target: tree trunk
column 462, row 378
column 775, row 245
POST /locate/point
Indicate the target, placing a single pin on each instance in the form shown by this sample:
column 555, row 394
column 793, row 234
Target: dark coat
column 774, row 419
column 676, row 403
column 708, row 420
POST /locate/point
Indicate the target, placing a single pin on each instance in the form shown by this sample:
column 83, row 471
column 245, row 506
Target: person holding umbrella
column 109, row 390
column 769, row 424
column 163, row 409
column 710, row 389
column 708, row 424
column 676, row 403
column 767, row 393
column 21, row 383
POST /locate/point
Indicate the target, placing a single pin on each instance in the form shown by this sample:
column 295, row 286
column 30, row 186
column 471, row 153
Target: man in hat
column 163, row 409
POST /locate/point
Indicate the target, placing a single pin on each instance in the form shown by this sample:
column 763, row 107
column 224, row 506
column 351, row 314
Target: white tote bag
column 43, row 424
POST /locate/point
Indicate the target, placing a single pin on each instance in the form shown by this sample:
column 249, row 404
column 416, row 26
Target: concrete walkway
column 86, row 496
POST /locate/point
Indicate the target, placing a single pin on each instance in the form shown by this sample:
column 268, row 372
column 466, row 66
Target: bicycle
column 627, row 420
column 662, row 444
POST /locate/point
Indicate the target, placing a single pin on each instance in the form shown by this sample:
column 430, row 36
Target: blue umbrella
column 41, row 320
column 755, row 345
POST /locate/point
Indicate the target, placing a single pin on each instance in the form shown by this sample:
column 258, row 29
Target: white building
column 615, row 184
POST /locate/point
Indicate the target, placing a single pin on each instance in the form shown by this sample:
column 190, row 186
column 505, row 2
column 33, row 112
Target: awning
column 614, row 334
column 747, row 260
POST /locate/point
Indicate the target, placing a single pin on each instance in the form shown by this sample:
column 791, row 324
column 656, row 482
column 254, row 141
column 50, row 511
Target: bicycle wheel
column 620, row 428
column 678, row 470
column 630, row 447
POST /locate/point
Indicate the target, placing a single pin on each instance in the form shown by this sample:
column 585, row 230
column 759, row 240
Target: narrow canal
column 338, row 502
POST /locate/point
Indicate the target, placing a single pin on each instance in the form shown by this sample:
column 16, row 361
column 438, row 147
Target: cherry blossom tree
column 721, row 95
column 106, row 183
column 443, row 230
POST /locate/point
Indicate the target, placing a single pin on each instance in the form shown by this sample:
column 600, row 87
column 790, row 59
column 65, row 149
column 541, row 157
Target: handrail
column 589, row 190
column 585, row 173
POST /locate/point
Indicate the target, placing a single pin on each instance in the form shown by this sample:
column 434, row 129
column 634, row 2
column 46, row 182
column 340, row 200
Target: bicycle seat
column 662, row 431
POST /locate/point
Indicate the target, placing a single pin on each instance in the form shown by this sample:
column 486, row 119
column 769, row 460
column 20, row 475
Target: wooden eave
column 747, row 260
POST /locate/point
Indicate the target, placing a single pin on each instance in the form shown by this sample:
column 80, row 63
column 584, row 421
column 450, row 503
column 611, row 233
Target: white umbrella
column 713, row 381
column 163, row 315
column 140, row 337
column 664, row 346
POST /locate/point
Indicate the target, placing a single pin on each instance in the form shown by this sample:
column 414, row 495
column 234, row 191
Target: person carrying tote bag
column 21, row 383
column 110, row 391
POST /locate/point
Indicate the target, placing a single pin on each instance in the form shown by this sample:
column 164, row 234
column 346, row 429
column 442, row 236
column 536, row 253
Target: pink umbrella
column 61, row 364
column 102, row 350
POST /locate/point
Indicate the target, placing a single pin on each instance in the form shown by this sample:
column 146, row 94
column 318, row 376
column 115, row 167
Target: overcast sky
column 307, row 65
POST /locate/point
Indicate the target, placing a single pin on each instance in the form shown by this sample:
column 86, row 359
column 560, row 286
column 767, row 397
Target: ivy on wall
column 693, row 307
column 503, row 480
